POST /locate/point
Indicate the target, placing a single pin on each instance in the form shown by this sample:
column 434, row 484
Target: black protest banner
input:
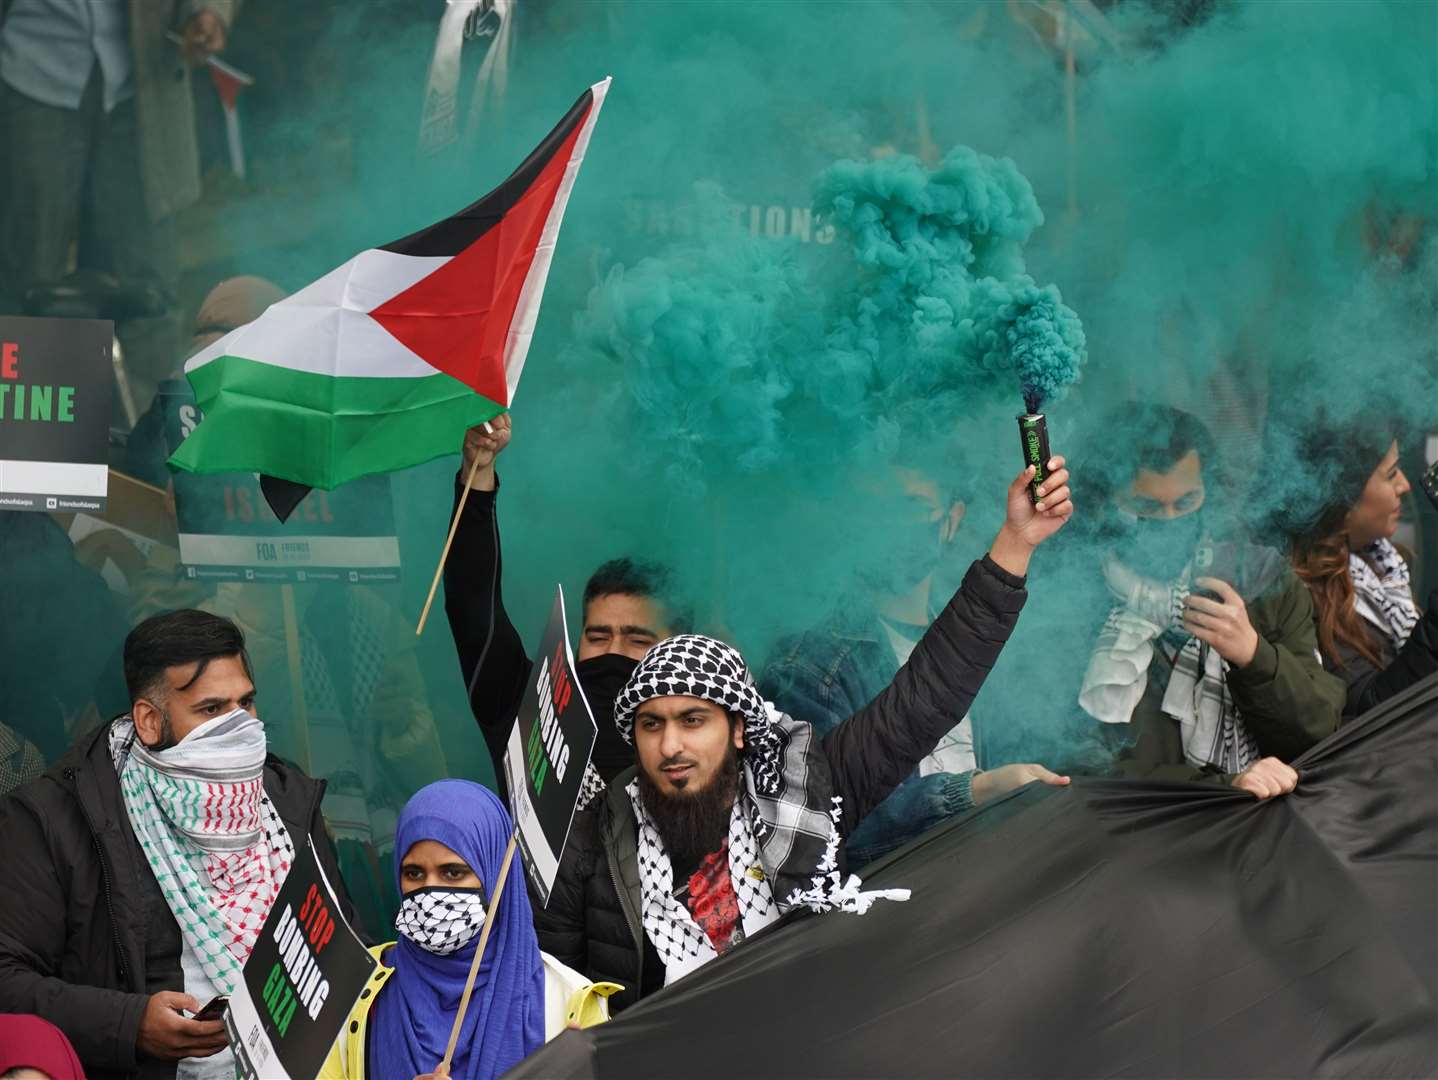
column 228, row 532
column 300, row 982
column 548, row 751
column 55, row 388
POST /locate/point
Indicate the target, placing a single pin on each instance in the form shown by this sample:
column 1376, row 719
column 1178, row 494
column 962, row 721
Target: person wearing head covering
column 735, row 812
column 452, row 837
column 35, row 1049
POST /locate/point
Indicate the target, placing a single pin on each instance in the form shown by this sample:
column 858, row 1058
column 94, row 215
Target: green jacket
column 1285, row 697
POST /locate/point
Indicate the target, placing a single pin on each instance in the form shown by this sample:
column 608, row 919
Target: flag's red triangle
column 228, row 82
column 458, row 318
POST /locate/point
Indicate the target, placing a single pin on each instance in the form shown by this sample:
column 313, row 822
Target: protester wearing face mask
column 831, row 671
column 452, row 837
column 1206, row 665
column 129, row 903
column 1370, row 630
column 625, row 612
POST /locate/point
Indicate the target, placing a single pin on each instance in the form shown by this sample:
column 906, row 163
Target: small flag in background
column 385, row 361
column 228, row 84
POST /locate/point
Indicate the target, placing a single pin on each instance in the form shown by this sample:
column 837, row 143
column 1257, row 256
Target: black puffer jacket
column 1369, row 684
column 592, row 922
column 85, row 934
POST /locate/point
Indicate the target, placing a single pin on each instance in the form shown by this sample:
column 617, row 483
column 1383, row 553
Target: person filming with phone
column 1206, row 666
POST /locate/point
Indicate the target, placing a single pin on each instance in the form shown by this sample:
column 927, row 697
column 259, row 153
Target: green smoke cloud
column 733, row 354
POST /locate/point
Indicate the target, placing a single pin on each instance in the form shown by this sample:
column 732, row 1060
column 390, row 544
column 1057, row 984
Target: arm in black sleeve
column 1417, row 660
column 102, row 1024
column 561, row 925
column 492, row 661
column 872, row 752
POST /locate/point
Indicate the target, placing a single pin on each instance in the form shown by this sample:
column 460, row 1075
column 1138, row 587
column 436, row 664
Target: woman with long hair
column 1370, row 631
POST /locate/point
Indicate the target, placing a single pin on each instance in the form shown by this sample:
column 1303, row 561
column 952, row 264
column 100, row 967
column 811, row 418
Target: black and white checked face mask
column 441, row 921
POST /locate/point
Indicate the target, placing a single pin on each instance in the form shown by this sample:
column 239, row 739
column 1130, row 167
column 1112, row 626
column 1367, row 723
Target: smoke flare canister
column 1034, row 434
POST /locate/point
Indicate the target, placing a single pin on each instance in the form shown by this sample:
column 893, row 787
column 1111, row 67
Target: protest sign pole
column 443, row 1068
column 448, row 540
column 297, row 681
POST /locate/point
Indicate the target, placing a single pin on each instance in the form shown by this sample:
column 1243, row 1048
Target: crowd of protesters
column 713, row 806
column 1219, row 648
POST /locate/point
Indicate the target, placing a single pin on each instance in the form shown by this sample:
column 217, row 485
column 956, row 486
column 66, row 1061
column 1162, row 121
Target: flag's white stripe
column 526, row 314
column 325, row 328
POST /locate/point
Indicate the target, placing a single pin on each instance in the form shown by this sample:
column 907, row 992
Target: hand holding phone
column 214, row 1009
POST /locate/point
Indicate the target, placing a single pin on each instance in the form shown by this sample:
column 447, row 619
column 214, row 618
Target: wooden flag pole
column 448, row 540
column 443, row 1068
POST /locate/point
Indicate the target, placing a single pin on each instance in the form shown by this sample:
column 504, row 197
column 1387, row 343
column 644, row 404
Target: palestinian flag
column 385, row 361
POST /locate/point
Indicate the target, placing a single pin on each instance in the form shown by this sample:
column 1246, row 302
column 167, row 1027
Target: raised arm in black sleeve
column 492, row 660
column 872, row 752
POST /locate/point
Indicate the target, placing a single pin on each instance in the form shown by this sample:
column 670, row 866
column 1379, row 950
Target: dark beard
column 693, row 823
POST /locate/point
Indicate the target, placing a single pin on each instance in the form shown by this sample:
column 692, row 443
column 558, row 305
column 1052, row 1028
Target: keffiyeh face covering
column 441, row 921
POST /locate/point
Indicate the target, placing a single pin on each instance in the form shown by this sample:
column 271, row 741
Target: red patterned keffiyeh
column 218, row 849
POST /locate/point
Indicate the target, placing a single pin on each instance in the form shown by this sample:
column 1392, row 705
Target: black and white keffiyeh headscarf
column 1382, row 592
column 441, row 920
column 786, row 806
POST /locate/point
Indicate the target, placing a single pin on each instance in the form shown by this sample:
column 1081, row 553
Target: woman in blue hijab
column 450, row 843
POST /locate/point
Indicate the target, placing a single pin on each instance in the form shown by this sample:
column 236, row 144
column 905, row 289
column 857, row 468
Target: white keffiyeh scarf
column 1382, row 592
column 1197, row 697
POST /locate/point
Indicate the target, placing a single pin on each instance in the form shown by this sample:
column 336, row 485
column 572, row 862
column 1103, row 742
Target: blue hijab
column 415, row 1011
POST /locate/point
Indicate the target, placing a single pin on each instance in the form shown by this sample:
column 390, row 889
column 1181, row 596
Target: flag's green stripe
column 319, row 429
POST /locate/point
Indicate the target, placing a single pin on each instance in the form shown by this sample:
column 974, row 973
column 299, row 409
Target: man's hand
column 1266, row 778
column 205, row 35
column 166, row 1034
column 991, row 783
column 1028, row 524
column 1222, row 623
column 484, row 446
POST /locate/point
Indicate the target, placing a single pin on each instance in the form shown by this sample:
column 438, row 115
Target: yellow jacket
column 569, row 999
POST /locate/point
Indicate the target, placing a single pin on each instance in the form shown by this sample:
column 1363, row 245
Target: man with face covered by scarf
column 1206, row 666
column 625, row 612
column 142, row 866
column 735, row 812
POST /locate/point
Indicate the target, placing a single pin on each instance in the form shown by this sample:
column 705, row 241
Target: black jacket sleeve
column 561, row 924
column 1369, row 686
column 872, row 752
column 103, row 1024
column 491, row 656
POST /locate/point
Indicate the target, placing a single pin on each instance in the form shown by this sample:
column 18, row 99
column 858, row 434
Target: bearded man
column 734, row 812
column 130, row 901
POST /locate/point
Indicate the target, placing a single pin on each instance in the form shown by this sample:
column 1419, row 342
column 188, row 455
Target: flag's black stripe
column 454, row 234
column 283, row 495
